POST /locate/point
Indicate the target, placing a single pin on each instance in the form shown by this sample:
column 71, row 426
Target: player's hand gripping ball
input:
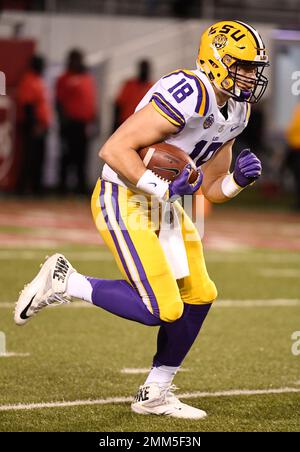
column 172, row 164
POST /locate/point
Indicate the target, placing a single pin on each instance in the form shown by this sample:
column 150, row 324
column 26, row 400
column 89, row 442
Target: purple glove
column 247, row 168
column 181, row 186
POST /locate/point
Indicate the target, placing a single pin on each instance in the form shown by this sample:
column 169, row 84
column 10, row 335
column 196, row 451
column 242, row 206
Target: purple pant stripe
column 112, row 233
column 133, row 252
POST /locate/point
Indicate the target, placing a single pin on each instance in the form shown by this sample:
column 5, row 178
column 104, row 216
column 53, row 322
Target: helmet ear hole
column 227, row 83
column 228, row 60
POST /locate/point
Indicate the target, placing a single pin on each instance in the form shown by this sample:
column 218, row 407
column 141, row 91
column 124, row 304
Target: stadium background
column 252, row 244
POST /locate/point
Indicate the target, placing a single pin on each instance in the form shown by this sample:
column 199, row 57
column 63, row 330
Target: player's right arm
column 174, row 99
column 142, row 129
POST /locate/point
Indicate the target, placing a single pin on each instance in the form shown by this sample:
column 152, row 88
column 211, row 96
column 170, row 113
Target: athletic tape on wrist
column 153, row 185
column 229, row 187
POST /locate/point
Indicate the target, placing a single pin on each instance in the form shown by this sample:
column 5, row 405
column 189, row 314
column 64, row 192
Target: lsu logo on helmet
column 227, row 46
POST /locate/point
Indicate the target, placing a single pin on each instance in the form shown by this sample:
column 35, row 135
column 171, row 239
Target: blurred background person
column 131, row 93
column 34, row 115
column 77, row 110
column 293, row 152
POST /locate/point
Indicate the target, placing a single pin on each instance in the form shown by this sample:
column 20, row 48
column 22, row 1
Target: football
column 167, row 161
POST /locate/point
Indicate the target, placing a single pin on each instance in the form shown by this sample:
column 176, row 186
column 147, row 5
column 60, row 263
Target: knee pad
column 202, row 295
column 211, row 292
column 171, row 311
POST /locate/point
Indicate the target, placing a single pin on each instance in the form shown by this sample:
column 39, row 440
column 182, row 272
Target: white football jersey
column 187, row 99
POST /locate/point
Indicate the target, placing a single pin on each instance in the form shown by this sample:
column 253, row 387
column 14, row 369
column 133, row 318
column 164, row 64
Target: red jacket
column 131, row 93
column 76, row 94
column 32, row 90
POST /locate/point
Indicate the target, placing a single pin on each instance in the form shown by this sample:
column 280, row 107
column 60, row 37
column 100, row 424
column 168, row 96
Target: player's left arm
column 219, row 185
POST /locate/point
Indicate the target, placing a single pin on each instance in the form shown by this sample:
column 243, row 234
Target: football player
column 201, row 111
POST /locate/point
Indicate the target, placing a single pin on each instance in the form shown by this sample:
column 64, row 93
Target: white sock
column 79, row 287
column 163, row 375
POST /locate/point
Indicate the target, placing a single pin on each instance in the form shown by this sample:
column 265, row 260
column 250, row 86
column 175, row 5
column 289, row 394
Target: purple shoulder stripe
column 206, row 101
column 168, row 109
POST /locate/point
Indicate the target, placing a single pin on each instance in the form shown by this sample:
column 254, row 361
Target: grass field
column 76, row 353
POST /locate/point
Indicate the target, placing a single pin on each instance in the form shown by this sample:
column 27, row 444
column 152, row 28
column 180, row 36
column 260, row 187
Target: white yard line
column 280, row 302
column 38, row 254
column 279, row 272
column 261, row 258
column 268, row 303
column 98, row 254
column 12, row 354
column 73, row 305
column 188, row 395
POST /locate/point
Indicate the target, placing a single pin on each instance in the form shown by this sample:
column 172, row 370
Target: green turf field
column 76, row 353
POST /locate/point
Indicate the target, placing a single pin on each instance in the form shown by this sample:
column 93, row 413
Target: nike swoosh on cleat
column 24, row 312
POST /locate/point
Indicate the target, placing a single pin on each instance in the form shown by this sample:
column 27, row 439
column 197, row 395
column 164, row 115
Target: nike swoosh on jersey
column 233, row 128
column 23, row 314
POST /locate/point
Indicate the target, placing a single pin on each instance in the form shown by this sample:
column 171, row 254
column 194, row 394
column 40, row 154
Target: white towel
column 171, row 240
